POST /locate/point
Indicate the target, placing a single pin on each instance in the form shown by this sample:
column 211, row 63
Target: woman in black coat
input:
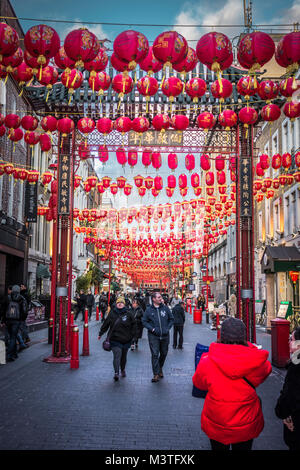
column 122, row 321
column 288, row 404
column 138, row 313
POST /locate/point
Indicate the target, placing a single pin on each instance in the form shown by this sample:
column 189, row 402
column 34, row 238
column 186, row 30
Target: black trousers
column 177, row 331
column 159, row 350
column 247, row 445
column 119, row 358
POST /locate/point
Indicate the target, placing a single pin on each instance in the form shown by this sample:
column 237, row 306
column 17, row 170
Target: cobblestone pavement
column 49, row 406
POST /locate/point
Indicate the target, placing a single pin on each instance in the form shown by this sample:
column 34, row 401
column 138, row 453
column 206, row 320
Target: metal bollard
column 74, row 362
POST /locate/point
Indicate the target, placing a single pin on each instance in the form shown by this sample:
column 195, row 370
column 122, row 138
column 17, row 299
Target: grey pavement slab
column 46, row 406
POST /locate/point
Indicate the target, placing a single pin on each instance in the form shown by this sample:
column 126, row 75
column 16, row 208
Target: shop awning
column 280, row 259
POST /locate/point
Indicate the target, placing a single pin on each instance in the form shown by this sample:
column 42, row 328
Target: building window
column 287, row 216
column 285, row 137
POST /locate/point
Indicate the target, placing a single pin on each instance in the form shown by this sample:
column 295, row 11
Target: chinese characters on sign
column 246, row 186
column 31, row 202
column 167, row 138
column 64, row 185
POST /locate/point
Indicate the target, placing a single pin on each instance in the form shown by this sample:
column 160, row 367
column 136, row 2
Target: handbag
column 106, row 343
column 251, row 385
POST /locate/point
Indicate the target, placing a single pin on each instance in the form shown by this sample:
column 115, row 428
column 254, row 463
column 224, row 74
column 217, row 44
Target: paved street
column 49, row 406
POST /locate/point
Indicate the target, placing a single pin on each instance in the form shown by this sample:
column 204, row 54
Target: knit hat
column 233, row 330
column 120, row 300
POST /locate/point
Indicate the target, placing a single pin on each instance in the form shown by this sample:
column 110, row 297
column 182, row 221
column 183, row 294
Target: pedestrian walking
column 175, row 300
column 14, row 310
column 229, row 372
column 81, row 304
column 90, row 303
column 158, row 320
column 103, row 305
column 288, row 404
column 138, row 313
column 179, row 319
column 23, row 325
column 122, row 329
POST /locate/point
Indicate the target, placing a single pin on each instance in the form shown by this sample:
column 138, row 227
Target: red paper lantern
column 132, row 157
column 84, row 151
column 43, row 42
column 86, row 125
column 190, row 162
column 172, row 181
column 206, row 121
column 255, row 49
column 32, row 62
column 276, row 161
column 264, row 161
column 270, row 112
column 114, row 188
column 48, row 77
column 132, row 47
column 150, row 64
column 142, row 191
column 209, row 178
column 100, row 188
column 118, row 64
column 81, row 46
column 158, row 183
column 12, row 121
column 8, row 168
column 156, row 160
column 180, row 122
column 23, row 74
column 288, row 86
column 9, row 40
column 220, row 163
column 102, row 153
column 215, row 51
column 227, row 119
column 123, row 124
column 121, row 156
column 204, row 162
column 172, row 161
column 182, row 181
column 138, row 181
column 100, row 82
column 122, row 84
column 147, row 86
column 297, row 159
column 148, row 181
column 29, row 123
column 287, row 52
column 195, row 88
column 62, row 60
column 247, row 86
column 195, row 180
column 49, row 123
column 127, row 189
column 286, row 160
column 72, row 79
column 169, row 192
column 198, row 191
column 267, row 90
column 45, row 142
column 170, row 48
column 98, row 64
column 248, row 116
column 105, row 125
column 172, row 87
column 221, row 177
column 140, row 124
column 188, row 63
column 65, row 126
column 161, row 122
column 31, row 138
column 259, row 170
column 183, row 191
column 106, row 181
column 2, row 132
column 13, row 61
column 221, row 89
column 292, row 109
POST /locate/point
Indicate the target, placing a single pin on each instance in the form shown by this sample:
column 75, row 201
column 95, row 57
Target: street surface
column 49, row 406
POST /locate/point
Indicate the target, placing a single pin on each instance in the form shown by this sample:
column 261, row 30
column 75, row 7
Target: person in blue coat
column 158, row 319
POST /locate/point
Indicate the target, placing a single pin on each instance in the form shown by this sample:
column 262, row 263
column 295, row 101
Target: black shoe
column 180, row 347
column 161, row 375
column 155, row 378
column 116, row 377
column 10, row 359
column 21, row 348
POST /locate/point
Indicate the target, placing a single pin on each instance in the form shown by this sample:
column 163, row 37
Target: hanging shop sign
column 64, row 174
column 31, row 202
column 167, row 138
column 246, row 187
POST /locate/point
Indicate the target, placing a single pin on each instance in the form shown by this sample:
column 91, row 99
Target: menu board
column 285, row 309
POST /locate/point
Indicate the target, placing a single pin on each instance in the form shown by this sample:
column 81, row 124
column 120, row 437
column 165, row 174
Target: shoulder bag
column 251, row 385
column 106, row 343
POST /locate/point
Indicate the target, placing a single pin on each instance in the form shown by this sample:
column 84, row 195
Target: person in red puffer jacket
column 230, row 372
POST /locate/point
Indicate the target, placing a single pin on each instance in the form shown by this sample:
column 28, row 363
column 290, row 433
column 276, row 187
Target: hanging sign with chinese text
column 31, row 202
column 64, row 174
column 167, row 138
column 246, row 187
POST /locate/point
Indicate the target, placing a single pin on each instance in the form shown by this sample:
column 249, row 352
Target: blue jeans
column 12, row 329
column 159, row 350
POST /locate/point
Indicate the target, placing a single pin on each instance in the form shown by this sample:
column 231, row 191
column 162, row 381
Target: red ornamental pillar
column 85, row 343
column 74, row 362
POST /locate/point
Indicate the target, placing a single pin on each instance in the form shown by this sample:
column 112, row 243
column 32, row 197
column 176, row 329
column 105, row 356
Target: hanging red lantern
column 105, row 125
column 172, row 87
column 264, row 161
column 282, row 180
column 100, row 187
column 9, row 40
column 221, row 89
column 15, row 135
column 142, row 191
column 188, row 63
column 140, row 124
column 72, row 80
column 122, row 84
column 127, row 189
column 172, row 161
column 248, row 116
column 170, row 48
column 8, row 168
column 180, row 122
column 65, row 126
column 287, row 52
column 114, row 189
column 86, row 126
column 220, row 163
column 118, row 64
column 84, row 151
column 45, row 143
column 132, row 47
column 103, row 153
column 204, row 162
column 190, row 162
column 161, row 122
column 169, row 192
column 215, row 51
column 31, row 138
column 289, row 179
column 81, row 46
column 13, row 61
column 292, row 110
column 276, row 183
column 77, row 181
column 227, row 119
column 182, row 181
column 132, row 157
column 156, row 160
column 2, row 132
column 247, row 86
column 183, row 191
column 158, row 183
column 209, row 178
column 288, row 86
column 49, row 123
column 195, row 88
column 148, row 181
column 23, row 74
column 255, row 50
column 198, row 191
column 138, row 181
column 150, row 64
column 206, row 121
column 12, row 121
column 63, row 61
column 98, row 64
column 48, row 77
column 276, row 161
column 267, row 90
column 32, row 62
column 221, row 177
column 286, row 160
column 270, row 112
column 147, row 157
column 259, row 170
column 123, row 124
column 106, row 181
column 33, row 176
column 147, row 86
column 29, row 123
column 297, row 159
column 43, row 42
column 100, row 82
column 172, row 181
column 195, row 180
column 121, row 156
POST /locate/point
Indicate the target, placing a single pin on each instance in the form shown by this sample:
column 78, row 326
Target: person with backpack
column 14, row 310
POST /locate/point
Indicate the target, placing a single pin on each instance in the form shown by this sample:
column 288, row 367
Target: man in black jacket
column 90, row 302
column 158, row 320
column 23, row 326
column 81, row 304
column 179, row 319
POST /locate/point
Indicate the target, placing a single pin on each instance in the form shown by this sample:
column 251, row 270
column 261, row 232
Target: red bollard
column 197, row 315
column 200, row 315
column 74, row 362
column 85, row 344
column 97, row 313
column 218, row 326
column 280, row 332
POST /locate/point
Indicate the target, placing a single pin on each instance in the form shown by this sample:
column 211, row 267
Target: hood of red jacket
column 236, row 360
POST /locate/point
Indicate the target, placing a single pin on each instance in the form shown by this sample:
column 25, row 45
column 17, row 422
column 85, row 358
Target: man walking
column 90, row 302
column 158, row 320
column 179, row 319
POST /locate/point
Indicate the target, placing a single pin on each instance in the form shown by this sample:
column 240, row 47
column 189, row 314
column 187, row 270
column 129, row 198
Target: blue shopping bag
column 199, row 350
